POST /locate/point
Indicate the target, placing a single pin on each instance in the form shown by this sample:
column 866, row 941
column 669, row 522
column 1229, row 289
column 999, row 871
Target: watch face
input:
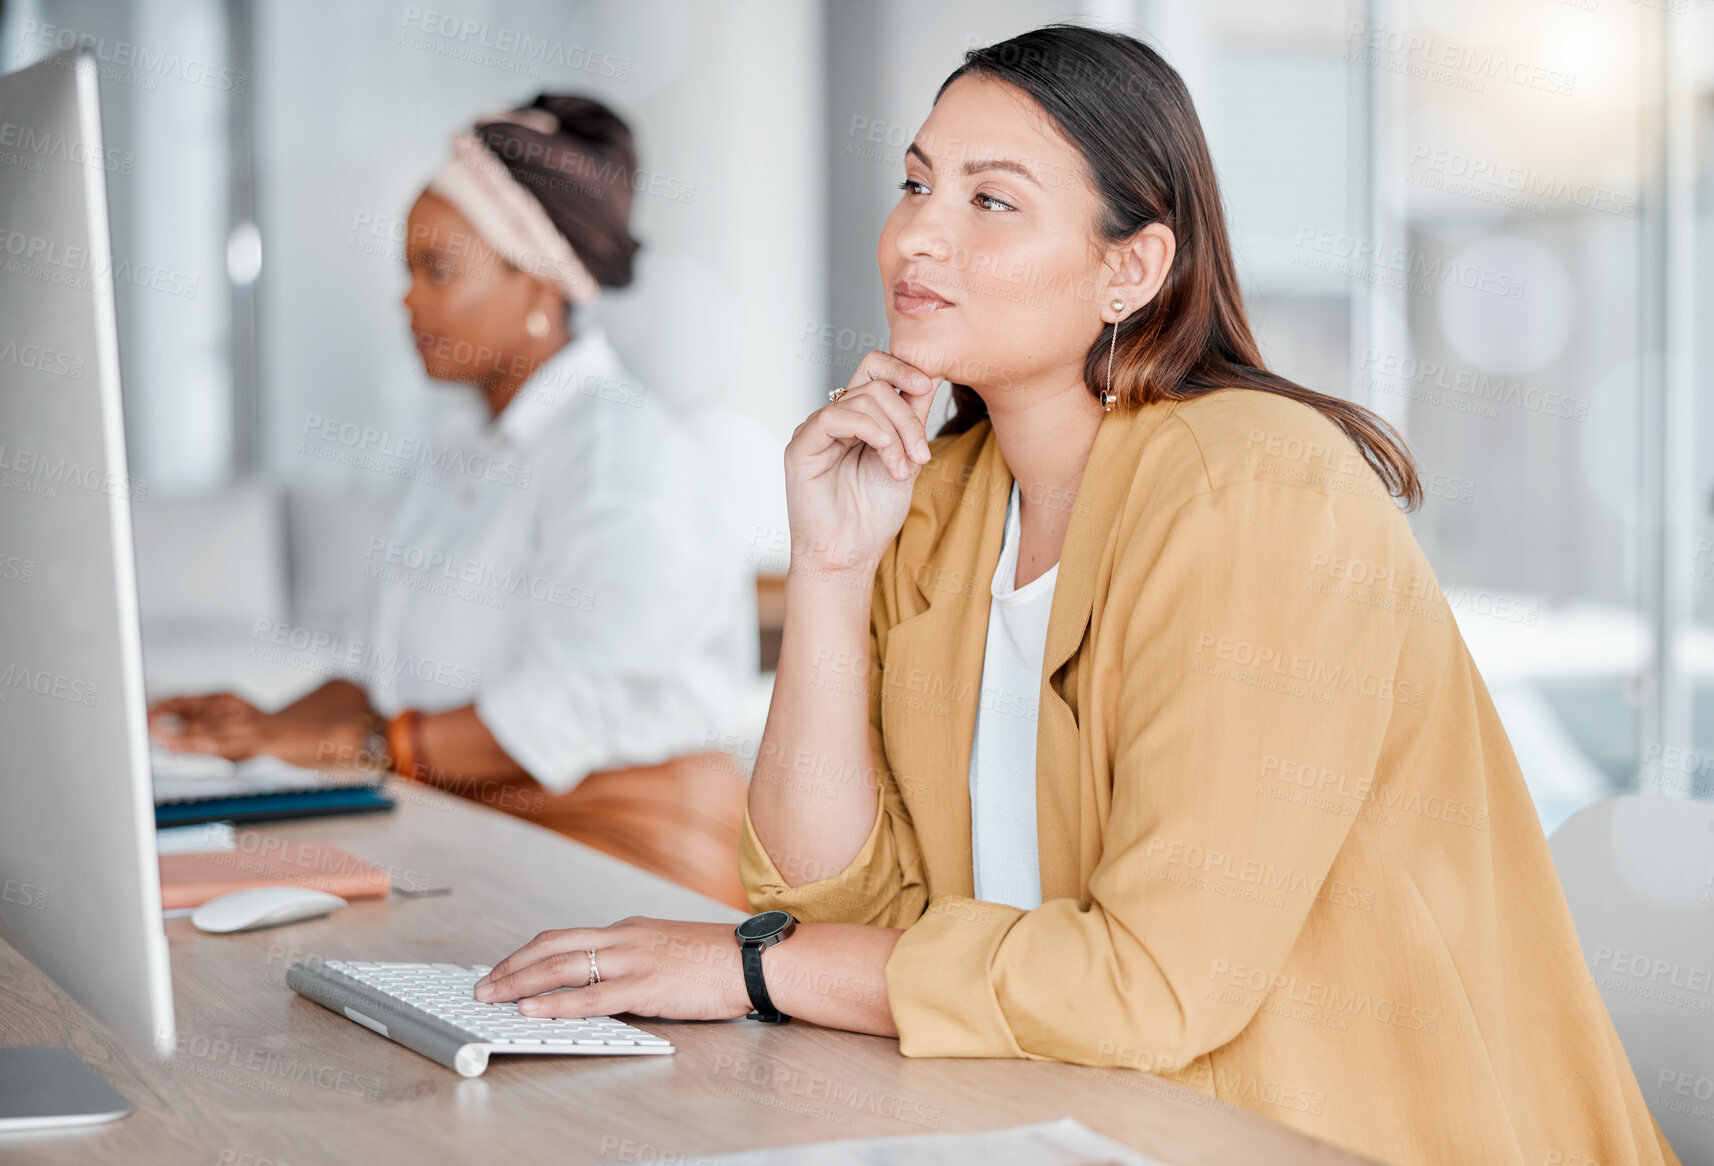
column 763, row 925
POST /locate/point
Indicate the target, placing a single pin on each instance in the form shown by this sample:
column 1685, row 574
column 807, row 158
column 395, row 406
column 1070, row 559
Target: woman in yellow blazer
column 1282, row 850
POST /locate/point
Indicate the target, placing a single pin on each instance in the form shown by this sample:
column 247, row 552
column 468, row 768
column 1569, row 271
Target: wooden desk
column 265, row 1078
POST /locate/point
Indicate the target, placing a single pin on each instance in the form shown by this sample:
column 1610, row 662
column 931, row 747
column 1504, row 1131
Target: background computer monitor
column 80, row 889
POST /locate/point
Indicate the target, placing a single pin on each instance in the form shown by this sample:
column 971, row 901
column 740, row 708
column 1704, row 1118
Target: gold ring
column 594, row 972
column 835, row 394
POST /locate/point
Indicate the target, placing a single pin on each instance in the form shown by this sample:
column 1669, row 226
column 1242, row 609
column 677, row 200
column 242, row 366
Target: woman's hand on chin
column 649, row 967
column 852, row 465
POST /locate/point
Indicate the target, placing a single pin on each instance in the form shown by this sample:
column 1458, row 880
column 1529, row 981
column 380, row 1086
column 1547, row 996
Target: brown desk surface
column 263, row 1076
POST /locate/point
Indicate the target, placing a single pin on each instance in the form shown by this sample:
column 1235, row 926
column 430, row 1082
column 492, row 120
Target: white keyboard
column 430, row 1008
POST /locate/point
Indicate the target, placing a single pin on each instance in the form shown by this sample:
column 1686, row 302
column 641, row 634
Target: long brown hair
column 1129, row 114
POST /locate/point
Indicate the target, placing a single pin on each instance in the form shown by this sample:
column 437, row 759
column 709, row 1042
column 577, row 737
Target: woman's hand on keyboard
column 226, row 725
column 649, row 967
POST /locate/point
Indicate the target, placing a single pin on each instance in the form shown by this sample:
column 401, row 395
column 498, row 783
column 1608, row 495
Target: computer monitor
column 80, row 892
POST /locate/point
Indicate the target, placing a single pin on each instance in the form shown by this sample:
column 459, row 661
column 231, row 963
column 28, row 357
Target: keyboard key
column 443, row 991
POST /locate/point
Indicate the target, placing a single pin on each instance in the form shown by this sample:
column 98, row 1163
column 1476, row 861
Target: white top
column 1003, row 747
column 565, row 567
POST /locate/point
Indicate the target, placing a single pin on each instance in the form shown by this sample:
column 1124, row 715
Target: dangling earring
column 1107, row 397
column 536, row 323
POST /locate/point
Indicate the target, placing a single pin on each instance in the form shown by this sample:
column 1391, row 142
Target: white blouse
column 566, row 567
column 1003, row 747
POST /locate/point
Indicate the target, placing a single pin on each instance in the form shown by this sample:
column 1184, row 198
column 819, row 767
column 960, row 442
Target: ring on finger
column 835, row 394
column 594, row 971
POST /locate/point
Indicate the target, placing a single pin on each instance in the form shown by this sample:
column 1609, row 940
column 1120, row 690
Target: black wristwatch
column 754, row 934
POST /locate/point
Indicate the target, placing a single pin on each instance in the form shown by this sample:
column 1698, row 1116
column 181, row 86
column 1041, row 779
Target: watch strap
column 757, row 985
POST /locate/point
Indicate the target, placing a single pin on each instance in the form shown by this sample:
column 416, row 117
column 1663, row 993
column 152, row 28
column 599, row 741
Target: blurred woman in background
column 566, row 566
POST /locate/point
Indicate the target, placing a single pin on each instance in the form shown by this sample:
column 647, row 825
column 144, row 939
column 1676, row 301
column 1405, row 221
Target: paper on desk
column 1066, row 1142
column 198, row 839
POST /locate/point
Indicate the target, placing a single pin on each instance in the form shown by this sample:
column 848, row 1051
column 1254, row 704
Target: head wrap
column 509, row 217
column 578, row 158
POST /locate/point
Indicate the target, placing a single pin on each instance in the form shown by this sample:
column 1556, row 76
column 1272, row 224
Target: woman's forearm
column 455, row 745
column 337, row 700
column 813, row 793
column 834, row 975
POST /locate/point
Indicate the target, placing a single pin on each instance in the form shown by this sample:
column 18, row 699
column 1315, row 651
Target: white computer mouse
column 263, row 907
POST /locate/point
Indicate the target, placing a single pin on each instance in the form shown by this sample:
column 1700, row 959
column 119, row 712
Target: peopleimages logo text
column 135, row 57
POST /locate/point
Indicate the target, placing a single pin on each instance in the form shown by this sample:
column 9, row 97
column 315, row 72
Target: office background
column 1484, row 219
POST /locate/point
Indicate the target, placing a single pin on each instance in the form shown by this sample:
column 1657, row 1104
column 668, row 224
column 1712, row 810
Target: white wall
column 356, row 105
column 165, row 84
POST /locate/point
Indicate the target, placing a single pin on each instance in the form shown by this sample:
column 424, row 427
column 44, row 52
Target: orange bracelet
column 404, row 743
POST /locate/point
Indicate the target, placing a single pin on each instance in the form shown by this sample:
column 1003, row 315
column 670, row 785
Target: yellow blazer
column 1287, row 857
